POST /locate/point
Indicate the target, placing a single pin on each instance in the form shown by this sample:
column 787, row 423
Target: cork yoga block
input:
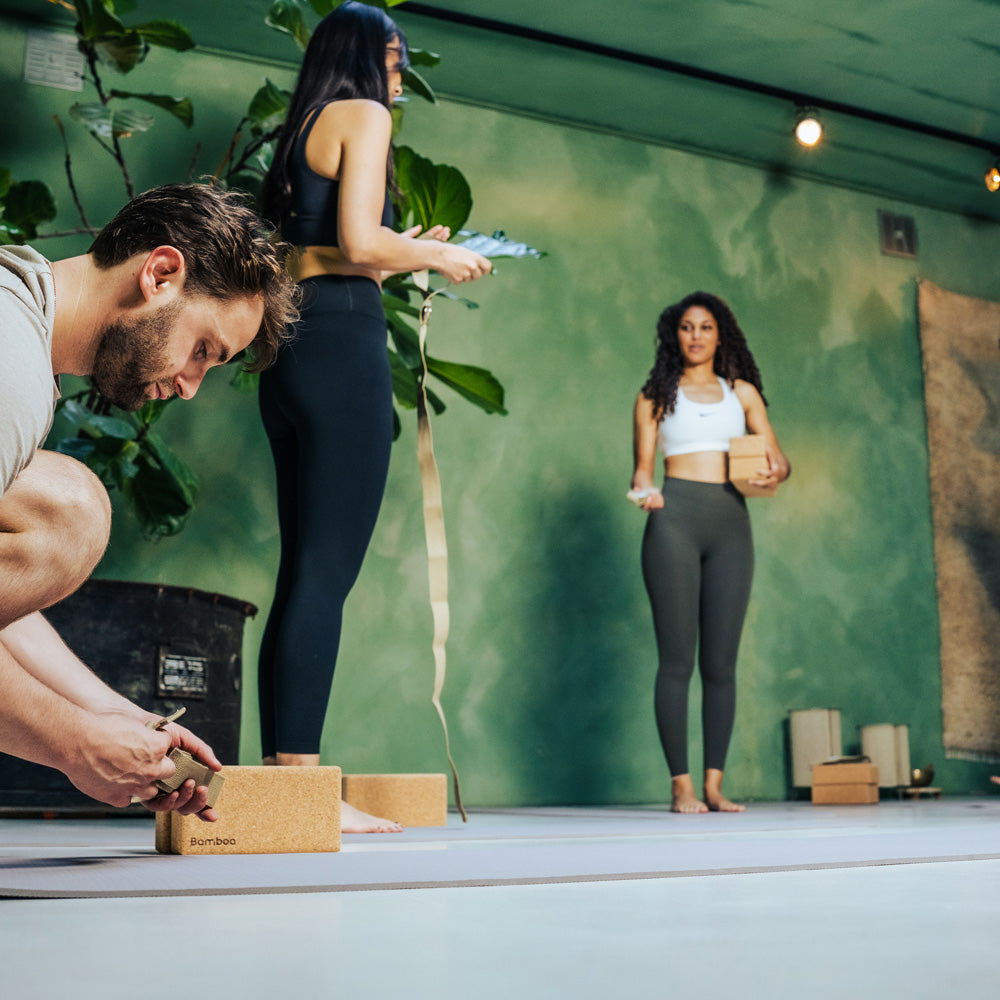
column 410, row 799
column 262, row 810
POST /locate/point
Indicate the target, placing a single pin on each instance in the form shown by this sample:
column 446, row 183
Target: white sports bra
column 693, row 427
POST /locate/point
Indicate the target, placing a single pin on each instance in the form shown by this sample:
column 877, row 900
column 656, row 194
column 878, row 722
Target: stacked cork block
column 262, row 810
column 409, row 799
column 844, row 783
column 747, row 456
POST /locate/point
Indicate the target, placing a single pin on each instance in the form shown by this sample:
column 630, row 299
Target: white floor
column 902, row 912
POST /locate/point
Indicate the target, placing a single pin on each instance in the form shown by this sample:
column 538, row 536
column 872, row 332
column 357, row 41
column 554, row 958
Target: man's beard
column 132, row 354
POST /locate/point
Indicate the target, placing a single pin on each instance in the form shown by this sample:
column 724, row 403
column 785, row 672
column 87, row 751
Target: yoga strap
column 437, row 548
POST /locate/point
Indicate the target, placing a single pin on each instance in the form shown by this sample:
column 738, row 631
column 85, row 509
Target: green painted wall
column 551, row 657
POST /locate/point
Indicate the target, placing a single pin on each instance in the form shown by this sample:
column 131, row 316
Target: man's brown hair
column 228, row 252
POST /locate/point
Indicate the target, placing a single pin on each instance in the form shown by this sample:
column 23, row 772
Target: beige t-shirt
column 28, row 389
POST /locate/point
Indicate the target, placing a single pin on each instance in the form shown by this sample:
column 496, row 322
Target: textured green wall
column 551, row 657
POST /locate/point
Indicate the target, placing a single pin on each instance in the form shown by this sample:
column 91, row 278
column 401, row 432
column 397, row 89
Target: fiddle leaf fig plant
column 159, row 487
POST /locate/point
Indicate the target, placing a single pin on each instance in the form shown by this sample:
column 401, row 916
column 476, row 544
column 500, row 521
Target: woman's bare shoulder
column 354, row 110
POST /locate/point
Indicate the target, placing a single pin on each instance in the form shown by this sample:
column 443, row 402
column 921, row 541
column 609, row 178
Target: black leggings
column 697, row 562
column 327, row 410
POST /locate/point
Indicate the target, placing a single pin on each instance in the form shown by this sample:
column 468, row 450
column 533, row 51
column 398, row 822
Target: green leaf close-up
column 180, row 107
column 166, row 34
column 436, row 194
column 24, row 206
column 268, row 108
column 105, row 123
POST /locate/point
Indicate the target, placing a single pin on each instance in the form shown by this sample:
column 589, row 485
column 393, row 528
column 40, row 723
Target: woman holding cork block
column 697, row 551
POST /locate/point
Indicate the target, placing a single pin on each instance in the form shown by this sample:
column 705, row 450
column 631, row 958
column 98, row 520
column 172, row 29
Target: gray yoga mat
column 81, row 858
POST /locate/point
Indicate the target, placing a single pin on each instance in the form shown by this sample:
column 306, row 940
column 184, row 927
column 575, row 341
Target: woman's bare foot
column 714, row 799
column 351, row 820
column 355, row 821
column 684, row 799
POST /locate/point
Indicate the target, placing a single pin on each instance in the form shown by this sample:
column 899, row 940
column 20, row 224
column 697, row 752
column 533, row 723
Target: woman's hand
column 772, row 475
column 652, row 501
column 459, row 265
column 454, row 262
column 442, row 233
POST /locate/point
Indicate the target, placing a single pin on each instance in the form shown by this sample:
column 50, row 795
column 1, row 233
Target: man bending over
column 182, row 279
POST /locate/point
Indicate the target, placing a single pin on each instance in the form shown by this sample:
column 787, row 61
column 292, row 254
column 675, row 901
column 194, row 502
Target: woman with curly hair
column 697, row 551
column 326, row 404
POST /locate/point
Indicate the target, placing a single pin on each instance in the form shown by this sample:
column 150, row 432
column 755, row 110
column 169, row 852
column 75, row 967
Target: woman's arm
column 779, row 468
column 350, row 143
column 644, row 453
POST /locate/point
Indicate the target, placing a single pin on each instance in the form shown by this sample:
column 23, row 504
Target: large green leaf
column 166, row 34
column 286, row 16
column 405, row 340
column 416, row 83
column 436, row 194
column 162, row 492
column 477, row 385
column 84, row 420
column 97, row 20
column 103, row 122
column 421, row 57
column 123, row 52
column 179, row 107
column 497, row 245
column 6, row 179
column 268, row 108
column 405, row 386
column 323, row 7
column 26, row 206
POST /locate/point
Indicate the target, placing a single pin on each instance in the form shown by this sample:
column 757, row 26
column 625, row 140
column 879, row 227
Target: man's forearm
column 36, row 723
column 38, row 649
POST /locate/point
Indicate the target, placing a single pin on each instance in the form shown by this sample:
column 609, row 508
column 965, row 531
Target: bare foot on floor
column 355, row 821
column 715, row 800
column 683, row 798
column 719, row 803
column 688, row 804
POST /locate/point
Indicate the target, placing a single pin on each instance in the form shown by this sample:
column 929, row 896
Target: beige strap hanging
column 437, row 548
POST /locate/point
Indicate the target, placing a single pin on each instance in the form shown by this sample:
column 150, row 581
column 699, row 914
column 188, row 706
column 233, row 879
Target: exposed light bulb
column 808, row 129
column 993, row 178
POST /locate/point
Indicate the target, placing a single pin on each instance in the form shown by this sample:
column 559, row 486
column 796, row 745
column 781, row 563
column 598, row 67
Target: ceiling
column 906, row 88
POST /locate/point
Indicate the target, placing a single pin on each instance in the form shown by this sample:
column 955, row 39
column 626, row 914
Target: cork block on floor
column 262, row 810
column 410, row 799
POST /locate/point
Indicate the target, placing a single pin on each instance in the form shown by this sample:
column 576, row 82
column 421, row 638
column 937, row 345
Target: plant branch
column 194, row 162
column 115, row 148
column 232, row 148
column 79, row 231
column 69, row 177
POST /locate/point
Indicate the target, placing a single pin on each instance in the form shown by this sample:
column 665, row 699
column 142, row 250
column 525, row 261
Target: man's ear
column 162, row 274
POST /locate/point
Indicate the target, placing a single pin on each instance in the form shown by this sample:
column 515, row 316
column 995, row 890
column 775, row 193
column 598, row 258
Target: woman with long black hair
column 326, row 404
column 697, row 551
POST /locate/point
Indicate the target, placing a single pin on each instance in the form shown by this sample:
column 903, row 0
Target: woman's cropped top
column 311, row 220
column 693, row 427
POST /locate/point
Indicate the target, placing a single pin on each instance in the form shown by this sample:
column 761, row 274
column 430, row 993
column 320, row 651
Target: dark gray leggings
column 697, row 562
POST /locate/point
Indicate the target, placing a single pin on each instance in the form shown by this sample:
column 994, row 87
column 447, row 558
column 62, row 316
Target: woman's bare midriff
column 309, row 262
column 699, row 467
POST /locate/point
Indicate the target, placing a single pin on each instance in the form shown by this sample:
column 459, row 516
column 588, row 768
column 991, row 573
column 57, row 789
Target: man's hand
column 118, row 758
column 187, row 799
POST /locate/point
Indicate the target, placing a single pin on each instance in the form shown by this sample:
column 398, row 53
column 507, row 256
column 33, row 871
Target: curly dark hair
column 733, row 359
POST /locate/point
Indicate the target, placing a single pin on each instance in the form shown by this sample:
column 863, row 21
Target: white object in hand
column 638, row 496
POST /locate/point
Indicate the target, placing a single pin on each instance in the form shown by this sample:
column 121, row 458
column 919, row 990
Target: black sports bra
column 311, row 219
